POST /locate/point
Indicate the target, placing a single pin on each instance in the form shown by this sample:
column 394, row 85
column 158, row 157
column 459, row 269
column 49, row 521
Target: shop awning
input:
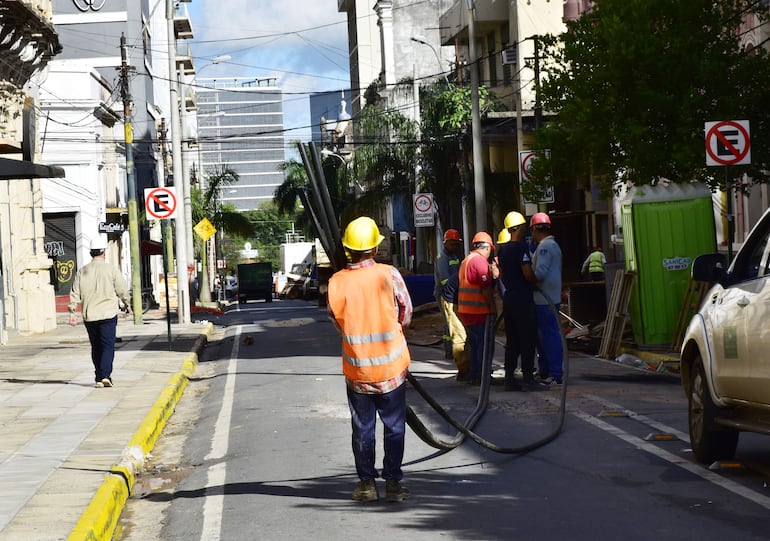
column 19, row 169
column 151, row 247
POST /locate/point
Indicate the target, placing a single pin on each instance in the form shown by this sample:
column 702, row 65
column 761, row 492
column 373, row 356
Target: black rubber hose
column 466, row 429
column 419, row 427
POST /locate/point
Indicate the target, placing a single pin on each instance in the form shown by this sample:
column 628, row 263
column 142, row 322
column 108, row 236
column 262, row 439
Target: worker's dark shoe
column 534, row 385
column 462, row 376
column 366, row 491
column 512, row 385
column 395, row 491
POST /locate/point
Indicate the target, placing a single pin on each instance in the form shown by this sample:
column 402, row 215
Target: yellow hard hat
column 362, row 235
column 513, row 218
column 503, row 237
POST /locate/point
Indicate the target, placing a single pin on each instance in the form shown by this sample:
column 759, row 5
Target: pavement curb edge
column 100, row 518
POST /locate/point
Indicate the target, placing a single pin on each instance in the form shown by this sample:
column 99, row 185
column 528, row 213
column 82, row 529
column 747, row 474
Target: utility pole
column 165, row 228
column 538, row 104
column 478, row 162
column 168, row 249
column 182, row 227
column 133, row 215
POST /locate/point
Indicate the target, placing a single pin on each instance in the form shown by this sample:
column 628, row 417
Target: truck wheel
column 709, row 441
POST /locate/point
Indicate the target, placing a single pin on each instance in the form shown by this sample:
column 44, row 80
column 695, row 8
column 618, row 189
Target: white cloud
column 303, row 46
column 302, row 43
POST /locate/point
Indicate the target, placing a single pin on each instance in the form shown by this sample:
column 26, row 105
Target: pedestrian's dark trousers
column 520, row 338
column 101, row 334
column 391, row 408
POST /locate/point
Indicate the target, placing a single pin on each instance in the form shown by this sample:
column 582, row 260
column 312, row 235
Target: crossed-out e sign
column 728, row 143
column 160, row 203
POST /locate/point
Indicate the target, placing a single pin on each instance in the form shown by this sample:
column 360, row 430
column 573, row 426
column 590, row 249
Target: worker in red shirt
column 475, row 300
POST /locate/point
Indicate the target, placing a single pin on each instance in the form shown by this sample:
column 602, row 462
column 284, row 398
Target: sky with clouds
column 302, row 43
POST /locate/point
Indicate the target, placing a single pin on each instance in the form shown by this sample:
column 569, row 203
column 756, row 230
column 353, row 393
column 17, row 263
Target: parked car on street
column 231, row 288
column 725, row 357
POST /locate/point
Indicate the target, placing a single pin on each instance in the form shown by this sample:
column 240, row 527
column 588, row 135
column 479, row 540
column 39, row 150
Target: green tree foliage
column 295, row 178
column 207, row 204
column 230, row 224
column 385, row 157
column 445, row 145
column 270, row 226
column 632, row 83
column 388, row 155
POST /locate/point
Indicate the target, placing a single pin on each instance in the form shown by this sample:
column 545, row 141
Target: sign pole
column 163, row 232
column 728, row 142
column 133, row 215
column 730, row 225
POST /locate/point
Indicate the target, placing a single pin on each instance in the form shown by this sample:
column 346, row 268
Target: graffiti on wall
column 64, row 268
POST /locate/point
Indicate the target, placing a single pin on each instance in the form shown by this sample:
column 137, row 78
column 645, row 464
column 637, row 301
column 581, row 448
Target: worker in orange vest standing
column 475, row 299
column 447, row 265
column 370, row 306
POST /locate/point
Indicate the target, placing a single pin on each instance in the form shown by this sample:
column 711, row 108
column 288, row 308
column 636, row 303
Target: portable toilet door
column 664, row 229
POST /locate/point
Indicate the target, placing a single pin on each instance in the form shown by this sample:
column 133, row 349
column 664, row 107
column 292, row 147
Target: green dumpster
column 664, row 229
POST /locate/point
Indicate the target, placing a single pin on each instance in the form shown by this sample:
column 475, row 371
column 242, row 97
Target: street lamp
column 478, row 164
column 422, row 41
column 204, row 284
column 326, row 153
column 216, row 60
column 184, row 228
column 187, row 201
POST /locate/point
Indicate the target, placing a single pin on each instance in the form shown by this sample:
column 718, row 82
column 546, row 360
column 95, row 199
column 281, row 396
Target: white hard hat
column 99, row 243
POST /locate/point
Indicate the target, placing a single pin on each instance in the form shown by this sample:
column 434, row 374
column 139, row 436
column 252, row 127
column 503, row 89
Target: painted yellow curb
column 99, row 520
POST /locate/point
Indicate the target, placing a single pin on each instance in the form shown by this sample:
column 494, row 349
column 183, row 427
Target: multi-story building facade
column 414, row 39
column 392, row 42
column 82, row 101
column 29, row 43
column 240, row 127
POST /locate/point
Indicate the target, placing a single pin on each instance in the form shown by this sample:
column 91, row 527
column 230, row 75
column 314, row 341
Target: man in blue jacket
column 546, row 264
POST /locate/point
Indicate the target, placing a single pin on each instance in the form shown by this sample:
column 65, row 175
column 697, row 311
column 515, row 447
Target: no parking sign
column 728, row 143
column 160, row 203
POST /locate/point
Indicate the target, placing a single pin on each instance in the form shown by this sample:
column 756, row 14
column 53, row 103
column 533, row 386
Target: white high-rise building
column 240, row 127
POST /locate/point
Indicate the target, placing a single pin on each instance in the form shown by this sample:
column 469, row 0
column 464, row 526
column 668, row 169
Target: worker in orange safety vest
column 475, row 300
column 370, row 305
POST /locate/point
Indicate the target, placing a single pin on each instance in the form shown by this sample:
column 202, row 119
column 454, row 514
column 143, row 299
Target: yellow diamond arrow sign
column 205, row 229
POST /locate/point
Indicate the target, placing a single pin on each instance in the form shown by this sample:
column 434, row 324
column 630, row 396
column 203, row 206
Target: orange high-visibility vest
column 364, row 306
column 470, row 297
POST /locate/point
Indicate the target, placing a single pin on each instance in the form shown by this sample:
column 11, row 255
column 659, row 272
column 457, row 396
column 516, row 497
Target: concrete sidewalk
column 68, row 450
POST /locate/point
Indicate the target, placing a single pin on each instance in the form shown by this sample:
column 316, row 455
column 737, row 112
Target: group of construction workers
column 370, row 307
column 526, row 282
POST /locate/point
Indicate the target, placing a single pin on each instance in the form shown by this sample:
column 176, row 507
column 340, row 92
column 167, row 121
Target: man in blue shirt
column 546, row 265
column 518, row 305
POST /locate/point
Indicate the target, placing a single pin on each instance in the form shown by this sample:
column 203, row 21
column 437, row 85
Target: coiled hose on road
column 466, row 429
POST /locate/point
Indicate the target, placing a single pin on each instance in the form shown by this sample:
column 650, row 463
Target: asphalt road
column 259, row 448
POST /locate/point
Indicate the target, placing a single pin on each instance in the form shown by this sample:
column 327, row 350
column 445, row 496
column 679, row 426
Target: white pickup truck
column 725, row 357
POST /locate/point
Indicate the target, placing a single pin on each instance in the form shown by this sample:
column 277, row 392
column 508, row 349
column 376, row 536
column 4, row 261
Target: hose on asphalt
column 466, row 429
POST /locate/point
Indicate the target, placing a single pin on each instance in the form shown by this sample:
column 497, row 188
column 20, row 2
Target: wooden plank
column 617, row 314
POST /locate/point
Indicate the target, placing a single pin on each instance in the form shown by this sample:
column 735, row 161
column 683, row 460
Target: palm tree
column 225, row 218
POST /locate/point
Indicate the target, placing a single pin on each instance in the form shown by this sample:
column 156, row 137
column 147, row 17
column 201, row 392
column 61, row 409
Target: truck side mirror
column 709, row 268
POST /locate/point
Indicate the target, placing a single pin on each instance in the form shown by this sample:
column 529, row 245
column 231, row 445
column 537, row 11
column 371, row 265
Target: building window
column 492, row 59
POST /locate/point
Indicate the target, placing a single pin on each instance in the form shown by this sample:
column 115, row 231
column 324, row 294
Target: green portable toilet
column 664, row 229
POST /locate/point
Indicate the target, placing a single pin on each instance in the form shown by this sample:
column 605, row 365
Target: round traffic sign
column 728, row 143
column 160, row 203
column 527, row 159
column 423, row 202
